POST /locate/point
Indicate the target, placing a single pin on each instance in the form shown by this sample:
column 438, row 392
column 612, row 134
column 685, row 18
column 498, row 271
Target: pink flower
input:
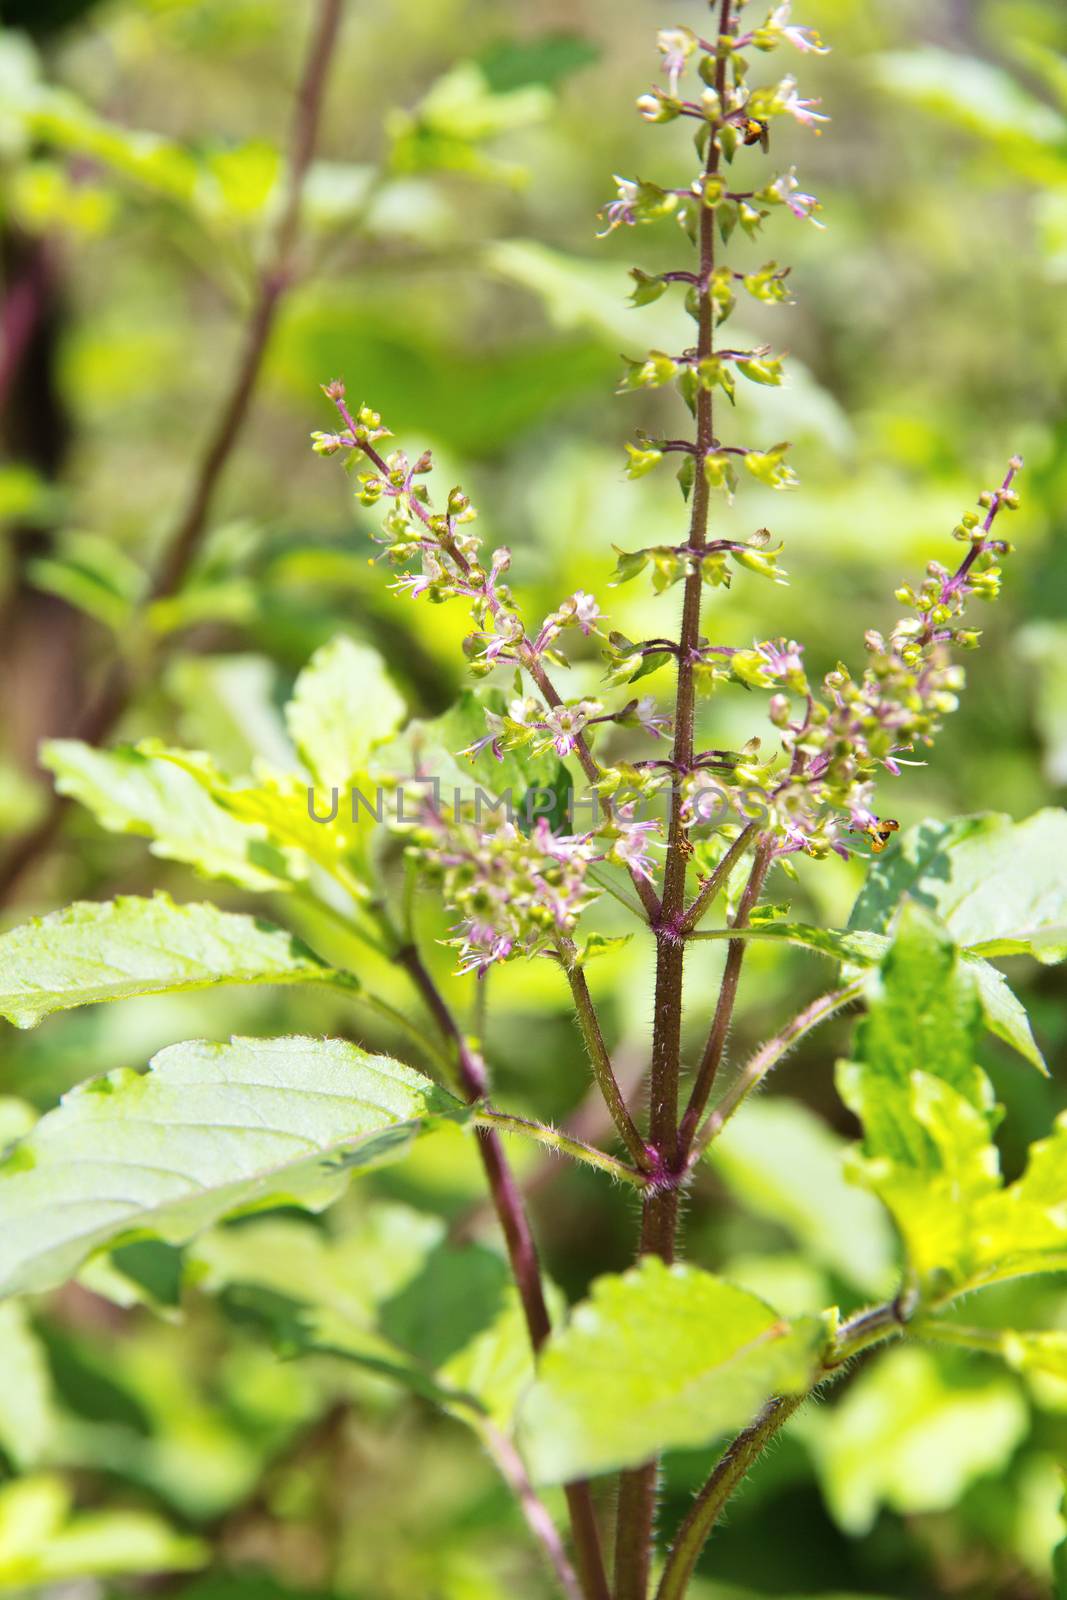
column 783, row 657
column 482, row 945
column 789, row 192
column 620, row 213
column 803, row 39
column 676, row 45
column 586, row 611
column 651, row 718
column 565, row 724
column 801, row 109
column 631, row 848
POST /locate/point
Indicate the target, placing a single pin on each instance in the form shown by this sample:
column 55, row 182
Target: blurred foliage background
column 449, row 271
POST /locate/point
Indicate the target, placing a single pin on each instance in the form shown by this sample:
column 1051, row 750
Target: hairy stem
column 275, row 277
column 522, row 1251
column 509, row 1464
column 724, row 1010
column 601, row 1060
column 564, row 1143
column 867, row 1328
column 768, row 1056
column 659, row 1225
column 711, row 885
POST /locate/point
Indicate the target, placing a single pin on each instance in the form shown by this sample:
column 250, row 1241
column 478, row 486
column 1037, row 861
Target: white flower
column 801, row 109
column 804, row 39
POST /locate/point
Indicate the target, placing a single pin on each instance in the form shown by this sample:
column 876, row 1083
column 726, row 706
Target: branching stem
column 601, row 1059
column 563, row 1143
column 637, row 1489
column 768, row 1056
column 869, row 1327
column 522, row 1251
column 724, row 1010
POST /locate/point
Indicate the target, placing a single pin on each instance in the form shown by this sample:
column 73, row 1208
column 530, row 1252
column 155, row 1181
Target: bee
column 879, row 832
column 755, row 131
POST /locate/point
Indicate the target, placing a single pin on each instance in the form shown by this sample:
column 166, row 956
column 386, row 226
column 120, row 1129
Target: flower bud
column 778, row 710
column 335, row 390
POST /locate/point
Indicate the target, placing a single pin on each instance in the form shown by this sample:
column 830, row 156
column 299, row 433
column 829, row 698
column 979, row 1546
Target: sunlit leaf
column 343, row 705
column 999, row 886
column 659, row 1358
column 117, row 949
column 903, row 1437
column 209, row 1130
column 129, row 792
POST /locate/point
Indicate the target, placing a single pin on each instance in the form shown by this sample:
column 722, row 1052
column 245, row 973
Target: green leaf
column 91, row 952
column 208, row 1131
column 43, row 1540
column 277, row 808
column 928, row 1118
column 389, row 1294
column 974, row 95
column 904, row 1437
column 923, row 1015
column 546, row 58
column 227, row 707
column 1023, row 1228
column 27, row 1405
column 343, row 705
column 1000, row 887
column 130, row 792
column 659, row 1358
column 1003, row 1012
column 784, row 1163
column 94, row 575
column 1036, row 1352
column 963, row 1230
column 934, row 1190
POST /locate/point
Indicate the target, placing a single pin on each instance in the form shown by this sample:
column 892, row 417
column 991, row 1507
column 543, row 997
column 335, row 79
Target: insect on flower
column 756, row 131
column 879, row 832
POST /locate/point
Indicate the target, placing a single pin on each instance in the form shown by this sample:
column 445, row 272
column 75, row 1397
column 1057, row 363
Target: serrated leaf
column 659, row 1358
column 130, row 792
column 1023, row 1228
column 923, row 1015
column 210, row 1130
column 1000, row 887
column 117, row 949
column 933, row 1191
column 1003, row 1012
column 928, row 1118
column 294, row 820
column 786, row 1164
column 343, row 705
